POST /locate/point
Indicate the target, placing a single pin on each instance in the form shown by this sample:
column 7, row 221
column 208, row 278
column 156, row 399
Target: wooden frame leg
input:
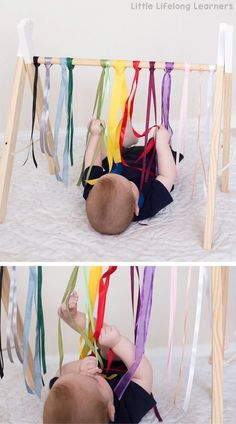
column 6, row 163
column 217, row 347
column 212, row 176
column 20, row 327
column 226, row 130
column 7, row 158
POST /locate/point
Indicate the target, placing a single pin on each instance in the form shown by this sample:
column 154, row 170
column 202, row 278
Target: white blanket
column 47, row 222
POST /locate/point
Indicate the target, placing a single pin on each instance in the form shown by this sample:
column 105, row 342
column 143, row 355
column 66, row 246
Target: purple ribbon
column 142, row 328
column 135, row 315
column 151, row 97
column 165, row 91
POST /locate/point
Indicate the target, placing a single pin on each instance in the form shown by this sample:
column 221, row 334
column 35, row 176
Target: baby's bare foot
column 69, row 312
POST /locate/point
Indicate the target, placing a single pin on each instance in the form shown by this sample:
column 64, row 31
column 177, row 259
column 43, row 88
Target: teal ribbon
column 34, row 296
column 70, row 123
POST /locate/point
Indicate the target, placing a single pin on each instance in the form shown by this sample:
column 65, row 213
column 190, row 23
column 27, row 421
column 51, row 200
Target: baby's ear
column 111, row 411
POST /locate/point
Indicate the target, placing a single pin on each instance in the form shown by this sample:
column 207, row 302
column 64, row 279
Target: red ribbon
column 103, row 287
column 128, row 114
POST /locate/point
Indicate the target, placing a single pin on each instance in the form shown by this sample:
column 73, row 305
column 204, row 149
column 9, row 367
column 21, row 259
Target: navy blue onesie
column 135, row 402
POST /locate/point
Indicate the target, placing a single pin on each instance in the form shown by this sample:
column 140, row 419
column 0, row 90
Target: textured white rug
column 18, row 407
column 47, row 222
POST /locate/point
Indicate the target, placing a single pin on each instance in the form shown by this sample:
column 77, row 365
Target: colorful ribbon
column 181, row 137
column 31, row 296
column 1, row 355
column 45, row 111
column 128, row 115
column 210, row 101
column 185, row 331
column 12, row 318
column 172, row 320
column 69, row 289
column 142, row 329
column 35, row 90
column 166, row 91
column 103, row 288
column 201, row 281
column 63, row 99
column 101, row 96
column 70, row 121
column 91, row 287
column 135, row 314
column 40, row 322
column 198, row 144
column 118, row 99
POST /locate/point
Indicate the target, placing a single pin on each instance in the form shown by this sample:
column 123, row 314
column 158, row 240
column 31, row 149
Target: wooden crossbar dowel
column 20, row 327
column 217, row 347
column 214, row 155
column 129, row 64
column 226, row 129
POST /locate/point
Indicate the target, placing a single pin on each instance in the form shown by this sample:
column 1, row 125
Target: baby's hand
column 162, row 136
column 89, row 366
column 109, row 337
column 96, row 126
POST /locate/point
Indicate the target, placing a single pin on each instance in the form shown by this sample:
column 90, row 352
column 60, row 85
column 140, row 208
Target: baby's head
column 112, row 203
column 77, row 399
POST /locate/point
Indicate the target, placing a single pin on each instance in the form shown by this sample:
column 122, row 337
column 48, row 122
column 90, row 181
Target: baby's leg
column 72, row 316
column 95, row 130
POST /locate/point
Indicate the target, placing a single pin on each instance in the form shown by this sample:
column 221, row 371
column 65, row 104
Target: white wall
column 118, row 310
column 108, row 29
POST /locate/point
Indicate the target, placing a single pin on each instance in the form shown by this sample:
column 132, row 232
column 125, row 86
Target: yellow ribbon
column 118, row 99
column 93, row 285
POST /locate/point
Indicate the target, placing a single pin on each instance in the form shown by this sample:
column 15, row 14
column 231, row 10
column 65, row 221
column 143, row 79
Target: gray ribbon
column 45, row 112
column 12, row 318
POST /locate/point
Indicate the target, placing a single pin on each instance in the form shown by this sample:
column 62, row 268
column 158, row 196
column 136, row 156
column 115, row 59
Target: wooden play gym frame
column 222, row 110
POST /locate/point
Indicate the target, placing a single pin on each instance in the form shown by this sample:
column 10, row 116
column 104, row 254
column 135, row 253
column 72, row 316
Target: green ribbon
column 69, row 289
column 70, row 121
column 40, row 322
column 101, row 95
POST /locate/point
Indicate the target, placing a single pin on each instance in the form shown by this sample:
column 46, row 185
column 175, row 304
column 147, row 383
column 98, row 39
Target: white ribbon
column 181, row 137
column 201, row 280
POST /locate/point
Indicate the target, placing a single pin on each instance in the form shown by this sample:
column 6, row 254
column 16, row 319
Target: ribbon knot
column 105, row 63
column 169, row 66
column 36, row 62
column 70, row 64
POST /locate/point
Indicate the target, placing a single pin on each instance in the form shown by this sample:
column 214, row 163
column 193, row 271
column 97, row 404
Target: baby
column 115, row 201
column 84, row 393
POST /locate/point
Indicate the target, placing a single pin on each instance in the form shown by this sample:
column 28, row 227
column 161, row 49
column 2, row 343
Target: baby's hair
column 63, row 407
column 110, row 208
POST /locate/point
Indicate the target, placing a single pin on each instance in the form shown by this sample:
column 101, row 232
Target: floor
column 47, row 222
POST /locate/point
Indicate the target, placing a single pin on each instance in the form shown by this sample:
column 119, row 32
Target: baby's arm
column 166, row 163
column 125, row 350
column 95, row 129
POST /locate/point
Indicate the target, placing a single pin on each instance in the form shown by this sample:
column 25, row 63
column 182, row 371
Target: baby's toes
column 73, row 300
